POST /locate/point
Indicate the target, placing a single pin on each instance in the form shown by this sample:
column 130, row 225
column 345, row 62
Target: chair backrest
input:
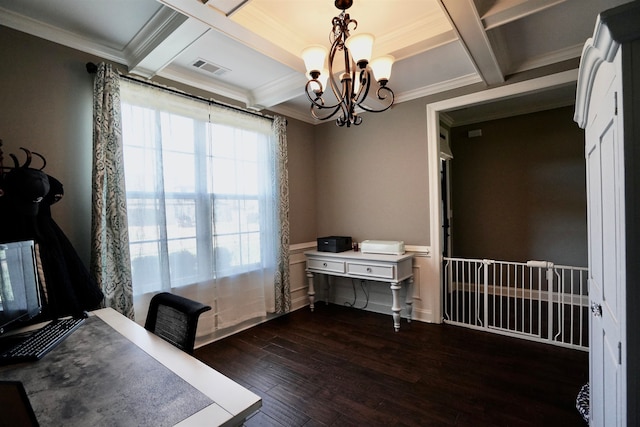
column 175, row 319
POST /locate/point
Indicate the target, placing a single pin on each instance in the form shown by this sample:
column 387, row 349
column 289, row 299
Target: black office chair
column 175, row 319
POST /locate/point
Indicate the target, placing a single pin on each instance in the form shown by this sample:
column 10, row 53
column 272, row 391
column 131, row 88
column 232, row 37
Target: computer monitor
column 19, row 290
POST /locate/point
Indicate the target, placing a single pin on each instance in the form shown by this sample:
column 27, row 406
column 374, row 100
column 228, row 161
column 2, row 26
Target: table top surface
column 112, row 371
column 361, row 256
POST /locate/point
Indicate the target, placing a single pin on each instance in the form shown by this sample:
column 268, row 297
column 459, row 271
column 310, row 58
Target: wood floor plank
column 340, row 366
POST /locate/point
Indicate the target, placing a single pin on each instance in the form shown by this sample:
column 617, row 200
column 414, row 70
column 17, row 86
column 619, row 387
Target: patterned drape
column 110, row 260
column 282, row 283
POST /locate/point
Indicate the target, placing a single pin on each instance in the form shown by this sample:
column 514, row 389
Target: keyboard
column 41, row 341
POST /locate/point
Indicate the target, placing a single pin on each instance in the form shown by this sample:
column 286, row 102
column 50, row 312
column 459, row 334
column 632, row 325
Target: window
column 201, row 192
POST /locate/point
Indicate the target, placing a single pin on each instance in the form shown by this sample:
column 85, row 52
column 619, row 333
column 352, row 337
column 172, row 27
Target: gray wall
column 372, row 179
column 519, row 190
column 46, row 106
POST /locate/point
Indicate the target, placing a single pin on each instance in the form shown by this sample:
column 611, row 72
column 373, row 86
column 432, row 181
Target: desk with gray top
column 112, row 371
column 393, row 269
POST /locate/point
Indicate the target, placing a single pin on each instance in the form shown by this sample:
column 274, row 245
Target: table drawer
column 326, row 265
column 371, row 270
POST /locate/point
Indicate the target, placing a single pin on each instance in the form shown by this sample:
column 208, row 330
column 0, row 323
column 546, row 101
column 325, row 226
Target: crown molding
column 177, row 36
column 156, row 31
column 446, row 119
column 280, row 90
column 201, row 82
column 571, row 52
column 295, row 113
column 419, row 34
column 496, row 18
column 54, row 34
column 455, row 83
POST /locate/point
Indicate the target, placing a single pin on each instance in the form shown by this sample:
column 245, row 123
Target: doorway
column 507, row 93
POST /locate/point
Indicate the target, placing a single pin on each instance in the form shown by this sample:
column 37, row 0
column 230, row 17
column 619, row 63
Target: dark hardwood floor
column 341, row 366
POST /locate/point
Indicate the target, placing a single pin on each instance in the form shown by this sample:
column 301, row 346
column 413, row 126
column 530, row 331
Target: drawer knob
column 369, row 270
column 324, row 264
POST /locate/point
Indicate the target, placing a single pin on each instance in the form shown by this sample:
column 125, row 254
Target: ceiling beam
column 495, row 16
column 171, row 33
column 468, row 25
column 218, row 21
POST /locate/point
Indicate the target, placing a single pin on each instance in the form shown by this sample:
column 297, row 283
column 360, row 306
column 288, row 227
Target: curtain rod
column 93, row 68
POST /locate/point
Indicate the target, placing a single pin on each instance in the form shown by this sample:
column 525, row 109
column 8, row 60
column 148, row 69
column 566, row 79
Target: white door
column 605, row 188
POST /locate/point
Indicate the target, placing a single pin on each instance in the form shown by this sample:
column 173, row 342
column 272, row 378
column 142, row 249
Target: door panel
column 596, row 332
column 605, row 211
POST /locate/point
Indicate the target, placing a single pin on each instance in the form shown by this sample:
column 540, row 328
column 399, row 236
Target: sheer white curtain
column 202, row 196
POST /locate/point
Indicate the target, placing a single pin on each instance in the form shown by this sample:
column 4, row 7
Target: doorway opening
column 545, row 306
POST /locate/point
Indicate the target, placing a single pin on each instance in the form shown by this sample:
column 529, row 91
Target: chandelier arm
column 347, row 111
column 354, row 119
column 338, row 91
column 388, row 99
column 324, row 117
column 317, row 100
column 319, row 104
column 365, row 85
column 308, row 90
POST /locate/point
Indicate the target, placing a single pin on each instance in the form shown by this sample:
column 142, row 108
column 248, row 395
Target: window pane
column 183, row 261
column 143, row 218
column 251, row 216
column 145, row 267
column 181, row 218
column 251, row 248
column 177, row 133
column 179, row 172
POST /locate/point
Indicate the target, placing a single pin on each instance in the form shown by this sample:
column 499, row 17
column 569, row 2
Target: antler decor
column 27, row 162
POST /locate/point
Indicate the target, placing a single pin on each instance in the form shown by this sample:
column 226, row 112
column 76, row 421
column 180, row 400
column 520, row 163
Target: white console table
column 393, row 269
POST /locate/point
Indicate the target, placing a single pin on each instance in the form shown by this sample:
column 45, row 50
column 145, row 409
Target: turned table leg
column 311, row 292
column 409, row 298
column 327, row 288
column 395, row 306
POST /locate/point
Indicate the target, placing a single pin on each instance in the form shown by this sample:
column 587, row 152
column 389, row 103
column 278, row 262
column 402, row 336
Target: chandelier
column 354, row 85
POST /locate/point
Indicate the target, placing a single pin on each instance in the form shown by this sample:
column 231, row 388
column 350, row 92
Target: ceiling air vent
column 209, row 67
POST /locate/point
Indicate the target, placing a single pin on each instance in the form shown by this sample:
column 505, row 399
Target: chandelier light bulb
column 314, row 57
column 360, row 47
column 381, row 67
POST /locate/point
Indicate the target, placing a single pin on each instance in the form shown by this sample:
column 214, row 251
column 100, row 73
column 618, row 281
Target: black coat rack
column 26, row 196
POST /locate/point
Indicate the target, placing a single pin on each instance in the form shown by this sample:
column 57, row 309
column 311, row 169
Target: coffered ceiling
column 249, row 50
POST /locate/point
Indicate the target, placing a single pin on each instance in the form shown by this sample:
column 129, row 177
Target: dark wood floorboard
column 341, row 366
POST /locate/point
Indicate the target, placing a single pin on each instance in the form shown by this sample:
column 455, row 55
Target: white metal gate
column 536, row 300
